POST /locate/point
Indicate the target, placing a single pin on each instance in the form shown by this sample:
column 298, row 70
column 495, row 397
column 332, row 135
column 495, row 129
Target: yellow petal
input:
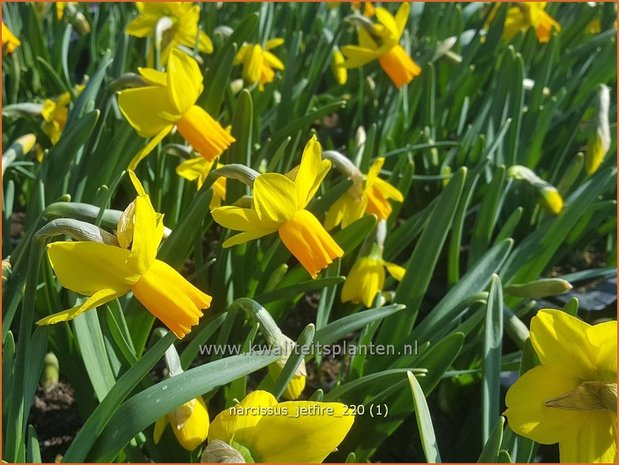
column 154, row 77
column 195, row 168
column 142, row 26
column 88, row 267
column 147, row 109
column 252, row 64
column 147, row 234
column 365, row 280
column 275, row 198
column 527, row 413
column 245, row 237
column 346, row 210
column 273, row 43
column 237, row 423
column 401, row 17
column 241, row 219
column 357, row 56
column 184, row 81
column 396, row 271
column 195, row 429
column 594, row 442
column 308, row 432
column 148, row 148
column 98, row 298
column 160, row 427
column 137, row 185
column 387, row 20
column 561, row 340
column 603, row 336
column 205, row 44
column 273, row 61
column 312, row 171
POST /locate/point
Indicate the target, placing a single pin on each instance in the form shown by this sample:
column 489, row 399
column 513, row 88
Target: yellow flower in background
column 258, row 63
column 181, row 19
column 263, row 430
column 594, row 26
column 190, row 424
column 105, row 272
column 278, row 205
column 368, row 8
column 372, row 196
column 571, row 398
column 367, row 278
column 337, row 67
column 524, row 15
column 197, row 169
column 9, row 41
column 382, row 42
column 295, row 386
column 55, row 113
column 169, row 101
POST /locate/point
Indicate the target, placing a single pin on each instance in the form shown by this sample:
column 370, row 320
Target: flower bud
column 599, row 139
column 540, row 288
column 50, row 373
column 220, row 452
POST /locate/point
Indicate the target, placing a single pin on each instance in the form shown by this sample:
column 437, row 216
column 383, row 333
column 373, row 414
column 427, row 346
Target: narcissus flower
column 179, row 22
column 296, row 385
column 190, row 424
column 258, row 63
column 105, row 272
column 263, row 430
column 382, row 42
column 278, row 205
column 549, row 197
column 524, row 15
column 197, row 169
column 367, row 278
column 9, row 41
column 571, row 398
column 168, row 101
column 370, row 196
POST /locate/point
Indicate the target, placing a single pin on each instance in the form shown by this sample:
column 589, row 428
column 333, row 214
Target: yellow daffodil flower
column 263, row 430
column 337, row 67
column 197, row 169
column 9, row 41
column 296, row 385
column 105, row 272
column 571, row 398
column 168, row 101
column 259, row 63
column 371, row 196
column 524, row 15
column 367, row 277
column 190, row 424
column 368, row 8
column 183, row 26
column 382, row 42
column 278, row 205
column 55, row 113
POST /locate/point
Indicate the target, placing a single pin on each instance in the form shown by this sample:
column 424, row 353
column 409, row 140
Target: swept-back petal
column 387, row 20
column 241, row 219
column 148, row 148
column 196, row 168
column 603, row 336
column 154, row 77
column 527, row 413
column 273, row 61
column 312, row 171
column 147, row 109
column 357, row 56
column 307, row 433
column 396, row 271
column 184, row 81
column 88, row 267
column 275, row 198
column 561, row 340
column 147, row 234
column 401, row 17
column 98, row 298
column 594, row 442
column 238, row 423
column 273, row 43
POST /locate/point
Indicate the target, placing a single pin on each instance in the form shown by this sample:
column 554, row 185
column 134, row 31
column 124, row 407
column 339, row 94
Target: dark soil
column 56, row 419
